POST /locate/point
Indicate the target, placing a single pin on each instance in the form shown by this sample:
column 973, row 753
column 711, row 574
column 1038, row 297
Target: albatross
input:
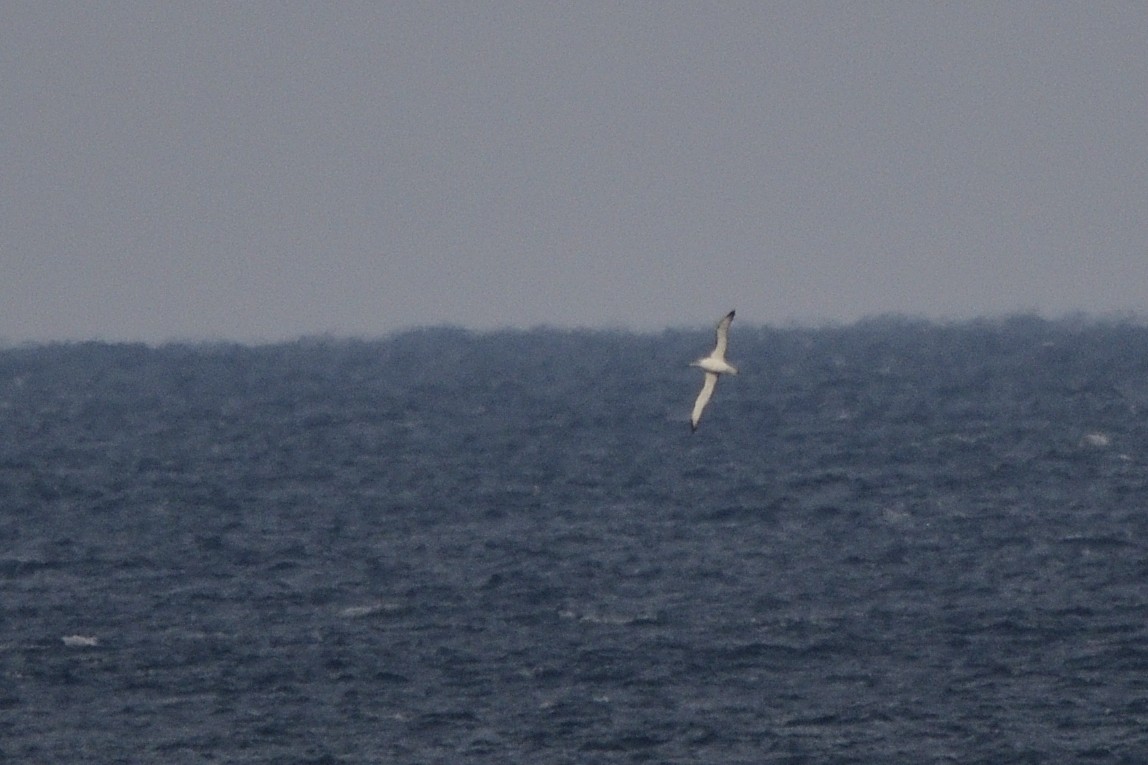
column 713, row 365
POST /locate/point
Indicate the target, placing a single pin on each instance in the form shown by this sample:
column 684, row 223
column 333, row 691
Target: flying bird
column 713, row 365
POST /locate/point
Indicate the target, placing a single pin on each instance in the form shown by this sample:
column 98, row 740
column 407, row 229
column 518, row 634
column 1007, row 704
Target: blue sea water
column 891, row 542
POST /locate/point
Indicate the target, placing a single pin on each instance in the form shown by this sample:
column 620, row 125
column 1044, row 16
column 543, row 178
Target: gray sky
column 264, row 170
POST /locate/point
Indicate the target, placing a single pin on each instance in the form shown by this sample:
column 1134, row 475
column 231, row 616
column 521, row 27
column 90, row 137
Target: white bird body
column 713, row 365
column 716, row 366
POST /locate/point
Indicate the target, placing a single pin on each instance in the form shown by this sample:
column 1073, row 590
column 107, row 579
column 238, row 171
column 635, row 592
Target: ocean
column 895, row 541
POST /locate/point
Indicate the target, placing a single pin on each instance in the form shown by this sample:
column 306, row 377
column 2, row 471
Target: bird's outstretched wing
column 703, row 399
column 722, row 336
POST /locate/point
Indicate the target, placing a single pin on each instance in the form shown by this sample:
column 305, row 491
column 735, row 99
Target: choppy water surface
column 890, row 542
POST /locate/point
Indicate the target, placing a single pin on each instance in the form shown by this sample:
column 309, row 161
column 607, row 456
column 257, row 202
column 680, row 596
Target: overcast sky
column 264, row 170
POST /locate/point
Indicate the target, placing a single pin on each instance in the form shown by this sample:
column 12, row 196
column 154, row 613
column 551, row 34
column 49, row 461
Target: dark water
column 887, row 543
